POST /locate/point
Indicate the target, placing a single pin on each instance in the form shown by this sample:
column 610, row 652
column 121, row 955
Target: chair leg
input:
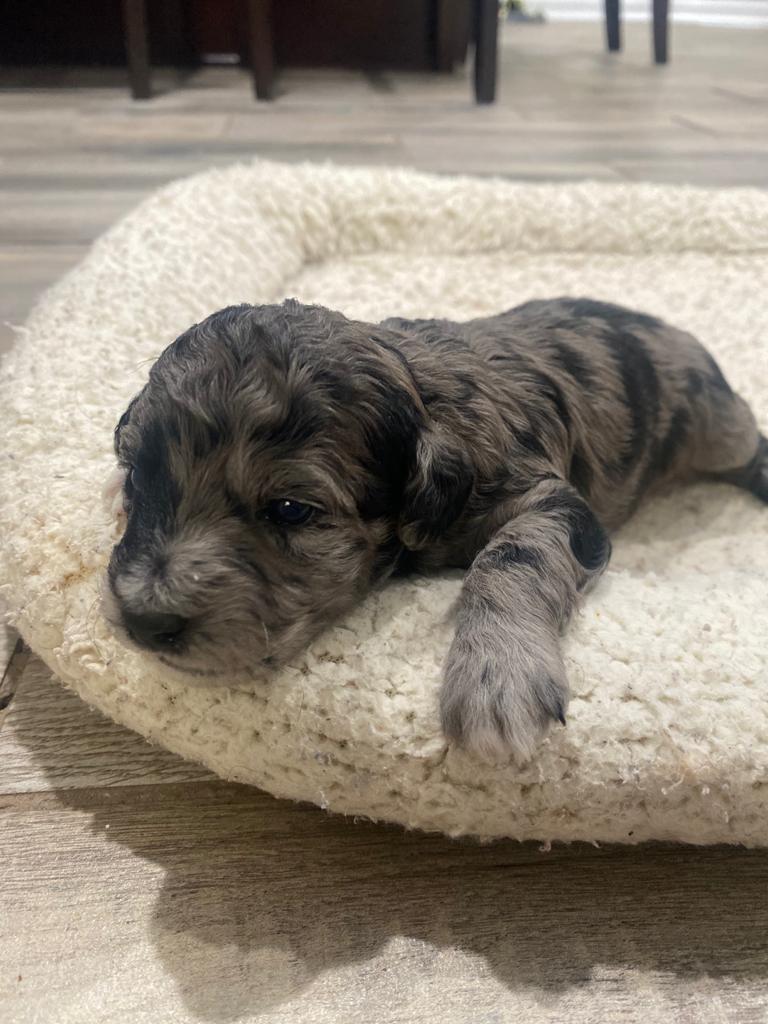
column 612, row 25
column 137, row 47
column 447, row 30
column 486, row 47
column 261, row 47
column 660, row 30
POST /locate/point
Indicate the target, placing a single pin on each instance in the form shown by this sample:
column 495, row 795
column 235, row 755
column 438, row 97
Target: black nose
column 159, row 631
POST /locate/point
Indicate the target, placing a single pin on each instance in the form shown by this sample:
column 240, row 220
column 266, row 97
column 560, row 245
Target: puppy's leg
column 504, row 678
column 753, row 475
column 731, row 447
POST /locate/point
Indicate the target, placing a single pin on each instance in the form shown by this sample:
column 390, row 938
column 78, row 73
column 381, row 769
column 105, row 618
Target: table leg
column 486, row 47
column 137, row 48
column 660, row 30
column 612, row 25
column 261, row 48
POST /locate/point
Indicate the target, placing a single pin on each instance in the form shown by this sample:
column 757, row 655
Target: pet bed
column 667, row 734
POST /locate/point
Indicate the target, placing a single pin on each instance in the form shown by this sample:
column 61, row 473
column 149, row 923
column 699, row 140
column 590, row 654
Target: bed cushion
column 668, row 660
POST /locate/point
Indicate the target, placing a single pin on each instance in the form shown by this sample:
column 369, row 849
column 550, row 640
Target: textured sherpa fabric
column 667, row 734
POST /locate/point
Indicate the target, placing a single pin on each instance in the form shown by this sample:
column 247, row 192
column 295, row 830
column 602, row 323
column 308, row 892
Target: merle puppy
column 282, row 460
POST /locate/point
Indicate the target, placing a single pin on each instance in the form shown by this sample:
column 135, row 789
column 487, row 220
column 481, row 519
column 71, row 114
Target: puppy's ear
column 437, row 488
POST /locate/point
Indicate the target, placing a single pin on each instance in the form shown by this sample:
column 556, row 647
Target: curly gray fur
column 508, row 446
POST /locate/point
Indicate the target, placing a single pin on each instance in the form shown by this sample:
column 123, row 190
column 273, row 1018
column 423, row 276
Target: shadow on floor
column 262, row 897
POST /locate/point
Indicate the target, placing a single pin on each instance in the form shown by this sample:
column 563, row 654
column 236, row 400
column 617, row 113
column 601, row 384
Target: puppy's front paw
column 498, row 698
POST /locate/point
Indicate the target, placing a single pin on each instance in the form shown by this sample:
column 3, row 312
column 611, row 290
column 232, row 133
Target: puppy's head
column 277, row 462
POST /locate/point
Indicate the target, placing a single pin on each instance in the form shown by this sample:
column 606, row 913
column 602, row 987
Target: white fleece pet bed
column 667, row 735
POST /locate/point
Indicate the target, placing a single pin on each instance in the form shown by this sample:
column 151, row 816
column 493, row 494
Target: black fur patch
column 552, row 391
column 509, row 554
column 668, row 447
column 574, row 363
column 580, row 474
column 389, row 559
column 152, row 496
column 239, row 509
column 298, row 427
column 379, row 499
column 528, row 440
column 438, row 489
column 398, row 354
column 716, row 378
column 561, row 501
column 151, row 465
column 663, row 453
column 757, row 478
column 495, row 491
column 340, row 385
column 391, row 441
column 742, row 475
column 467, row 387
column 588, row 540
column 641, row 394
column 694, row 383
column 406, row 564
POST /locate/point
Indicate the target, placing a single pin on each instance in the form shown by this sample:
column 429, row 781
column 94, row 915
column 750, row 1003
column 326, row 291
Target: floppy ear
column 436, row 490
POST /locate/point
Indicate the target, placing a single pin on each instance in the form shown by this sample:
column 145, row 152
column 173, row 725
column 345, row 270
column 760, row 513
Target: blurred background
column 361, row 82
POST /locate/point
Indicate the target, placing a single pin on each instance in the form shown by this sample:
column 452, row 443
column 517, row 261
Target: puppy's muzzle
column 163, row 632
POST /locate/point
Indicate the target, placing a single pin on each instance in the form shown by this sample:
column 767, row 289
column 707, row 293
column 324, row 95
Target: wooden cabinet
column 367, row 34
column 418, row 34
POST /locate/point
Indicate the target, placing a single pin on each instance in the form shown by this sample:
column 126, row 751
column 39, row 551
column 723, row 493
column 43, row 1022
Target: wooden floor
column 136, row 888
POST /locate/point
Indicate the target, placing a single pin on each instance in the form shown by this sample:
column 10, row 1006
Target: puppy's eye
column 287, row 512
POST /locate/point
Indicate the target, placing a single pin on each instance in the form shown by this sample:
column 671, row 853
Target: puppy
column 282, row 460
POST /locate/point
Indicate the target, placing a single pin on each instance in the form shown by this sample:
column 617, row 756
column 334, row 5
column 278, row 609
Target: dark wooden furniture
column 486, row 35
column 660, row 28
column 484, row 23
column 137, row 48
column 261, row 47
column 269, row 27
